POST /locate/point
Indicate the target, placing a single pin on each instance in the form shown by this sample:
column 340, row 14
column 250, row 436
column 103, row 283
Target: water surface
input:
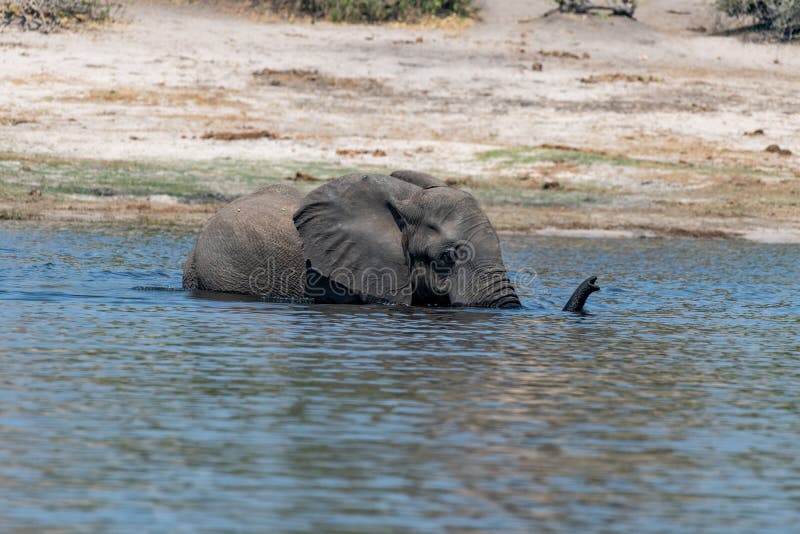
column 672, row 407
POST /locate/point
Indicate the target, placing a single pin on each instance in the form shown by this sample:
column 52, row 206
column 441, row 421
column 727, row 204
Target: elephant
column 405, row 238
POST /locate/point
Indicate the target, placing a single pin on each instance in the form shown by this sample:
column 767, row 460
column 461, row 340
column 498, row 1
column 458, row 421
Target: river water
column 673, row 406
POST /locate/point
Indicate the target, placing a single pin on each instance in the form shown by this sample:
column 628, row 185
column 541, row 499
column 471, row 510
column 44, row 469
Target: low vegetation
column 615, row 7
column 780, row 17
column 31, row 177
column 371, row 10
column 49, row 15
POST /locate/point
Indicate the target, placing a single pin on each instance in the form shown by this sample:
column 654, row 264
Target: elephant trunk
column 508, row 299
column 489, row 288
column 578, row 298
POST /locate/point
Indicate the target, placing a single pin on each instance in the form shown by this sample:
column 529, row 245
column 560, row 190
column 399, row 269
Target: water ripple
column 127, row 405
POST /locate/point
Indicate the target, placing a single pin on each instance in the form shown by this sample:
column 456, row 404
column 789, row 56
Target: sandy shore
column 586, row 126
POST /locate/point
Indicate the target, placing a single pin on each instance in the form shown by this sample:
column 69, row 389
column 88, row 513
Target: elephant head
column 406, row 238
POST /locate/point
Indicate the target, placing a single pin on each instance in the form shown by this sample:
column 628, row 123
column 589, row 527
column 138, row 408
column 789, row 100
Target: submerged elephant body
column 406, row 238
column 251, row 246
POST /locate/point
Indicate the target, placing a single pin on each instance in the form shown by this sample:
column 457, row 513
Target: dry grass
column 11, row 120
column 239, row 136
column 17, row 214
column 780, row 17
column 377, row 153
column 563, row 54
column 315, row 79
column 40, row 79
column 50, row 15
column 619, row 77
column 165, row 96
column 451, row 23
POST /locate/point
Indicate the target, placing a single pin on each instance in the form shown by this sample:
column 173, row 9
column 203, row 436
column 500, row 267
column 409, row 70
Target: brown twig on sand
column 776, row 149
column 618, row 77
column 563, row 54
column 303, row 177
column 377, row 153
column 237, row 136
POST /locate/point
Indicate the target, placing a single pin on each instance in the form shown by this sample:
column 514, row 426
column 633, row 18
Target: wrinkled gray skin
column 406, row 238
column 251, row 246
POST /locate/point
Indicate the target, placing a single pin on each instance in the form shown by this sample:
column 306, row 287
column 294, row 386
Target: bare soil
column 645, row 127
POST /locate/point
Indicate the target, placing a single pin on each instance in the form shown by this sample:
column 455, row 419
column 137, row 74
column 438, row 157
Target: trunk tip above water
column 578, row 298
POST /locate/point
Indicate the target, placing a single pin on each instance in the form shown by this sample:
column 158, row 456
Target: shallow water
column 672, row 407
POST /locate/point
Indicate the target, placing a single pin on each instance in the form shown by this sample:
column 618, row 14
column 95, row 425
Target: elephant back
column 251, row 246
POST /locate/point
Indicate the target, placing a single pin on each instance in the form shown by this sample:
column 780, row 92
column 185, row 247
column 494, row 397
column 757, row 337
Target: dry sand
column 564, row 124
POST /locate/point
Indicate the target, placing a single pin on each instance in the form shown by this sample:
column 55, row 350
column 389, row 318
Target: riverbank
column 559, row 124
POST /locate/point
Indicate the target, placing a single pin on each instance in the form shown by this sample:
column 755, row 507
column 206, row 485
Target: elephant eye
column 444, row 259
column 456, row 253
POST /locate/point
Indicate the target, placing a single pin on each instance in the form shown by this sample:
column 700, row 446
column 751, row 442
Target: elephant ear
column 351, row 232
column 419, row 179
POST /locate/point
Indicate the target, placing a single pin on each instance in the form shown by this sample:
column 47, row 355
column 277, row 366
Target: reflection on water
column 671, row 407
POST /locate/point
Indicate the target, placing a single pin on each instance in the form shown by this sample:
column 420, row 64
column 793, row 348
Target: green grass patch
column 221, row 180
column 516, row 156
column 528, row 155
column 12, row 191
column 500, row 194
column 572, row 199
column 214, row 180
